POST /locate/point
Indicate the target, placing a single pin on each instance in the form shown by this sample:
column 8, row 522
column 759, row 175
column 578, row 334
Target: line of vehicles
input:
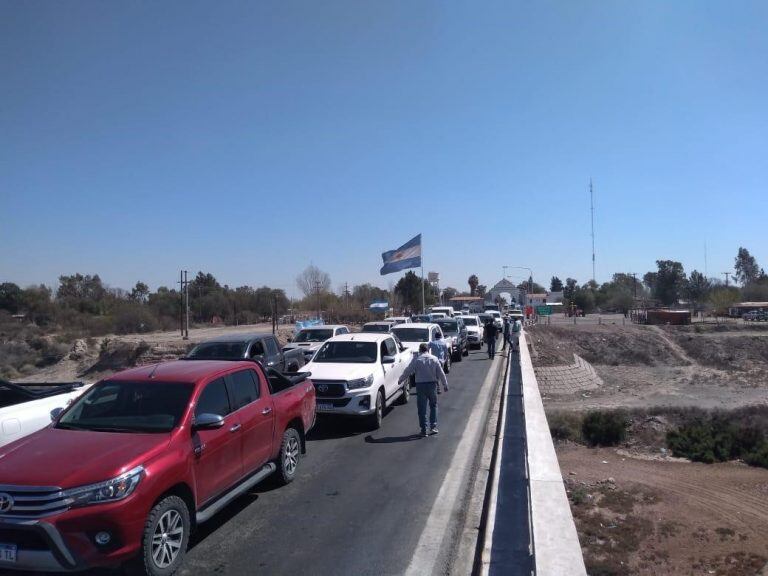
column 125, row 469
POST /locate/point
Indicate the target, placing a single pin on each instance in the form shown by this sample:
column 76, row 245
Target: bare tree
column 313, row 281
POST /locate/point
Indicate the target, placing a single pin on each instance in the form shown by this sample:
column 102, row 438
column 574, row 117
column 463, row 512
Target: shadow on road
column 392, row 439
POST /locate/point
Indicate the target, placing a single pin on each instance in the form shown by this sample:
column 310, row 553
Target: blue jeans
column 491, row 347
column 426, row 392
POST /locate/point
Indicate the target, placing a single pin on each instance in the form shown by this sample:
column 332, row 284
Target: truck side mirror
column 55, row 413
column 208, row 422
column 388, row 360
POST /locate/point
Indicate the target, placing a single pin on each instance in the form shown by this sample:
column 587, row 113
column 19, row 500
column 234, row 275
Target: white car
column 398, row 319
column 474, row 330
column 29, row 407
column 310, row 339
column 381, row 327
column 359, row 375
column 447, row 310
column 414, row 334
column 496, row 318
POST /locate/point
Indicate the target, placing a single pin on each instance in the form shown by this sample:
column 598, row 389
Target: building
column 738, row 310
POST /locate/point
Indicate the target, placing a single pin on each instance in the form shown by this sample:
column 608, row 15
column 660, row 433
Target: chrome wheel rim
column 167, row 539
column 291, row 459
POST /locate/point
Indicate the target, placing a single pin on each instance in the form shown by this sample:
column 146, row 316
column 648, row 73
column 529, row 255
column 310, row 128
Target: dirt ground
column 100, row 357
column 645, row 366
column 645, row 516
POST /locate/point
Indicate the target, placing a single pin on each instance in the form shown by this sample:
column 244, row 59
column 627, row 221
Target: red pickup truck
column 132, row 466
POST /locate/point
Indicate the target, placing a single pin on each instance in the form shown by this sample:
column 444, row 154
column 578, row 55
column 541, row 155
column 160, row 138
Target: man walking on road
column 514, row 335
column 429, row 375
column 489, row 335
column 506, row 333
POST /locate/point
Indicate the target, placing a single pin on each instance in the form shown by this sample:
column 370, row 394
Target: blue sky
column 249, row 139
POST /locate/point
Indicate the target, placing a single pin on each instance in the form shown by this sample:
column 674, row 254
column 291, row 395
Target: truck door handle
column 235, row 428
column 266, row 411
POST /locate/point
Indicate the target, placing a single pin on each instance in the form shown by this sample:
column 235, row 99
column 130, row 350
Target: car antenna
column 152, row 374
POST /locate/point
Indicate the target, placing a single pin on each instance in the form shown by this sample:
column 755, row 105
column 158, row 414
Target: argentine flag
column 407, row 256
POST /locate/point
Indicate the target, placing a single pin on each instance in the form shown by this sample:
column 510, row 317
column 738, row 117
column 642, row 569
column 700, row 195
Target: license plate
column 324, row 406
column 8, row 553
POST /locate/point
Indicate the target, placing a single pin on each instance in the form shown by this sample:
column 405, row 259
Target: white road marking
column 441, row 516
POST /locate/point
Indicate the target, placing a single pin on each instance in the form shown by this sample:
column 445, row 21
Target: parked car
column 414, row 334
column 374, row 327
column 422, row 318
column 261, row 347
column 438, row 315
column 455, row 336
column 447, row 310
column 309, row 340
column 26, row 407
column 399, row 319
column 141, row 458
column 359, row 375
column 474, row 330
column 756, row 315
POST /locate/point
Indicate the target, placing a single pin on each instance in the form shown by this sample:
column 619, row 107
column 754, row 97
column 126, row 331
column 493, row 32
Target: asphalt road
column 359, row 504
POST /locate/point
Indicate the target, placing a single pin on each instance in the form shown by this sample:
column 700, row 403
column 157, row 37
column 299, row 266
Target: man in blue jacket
column 429, row 376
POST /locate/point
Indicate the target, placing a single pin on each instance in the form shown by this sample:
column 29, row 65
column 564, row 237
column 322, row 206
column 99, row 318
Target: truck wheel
column 406, row 397
column 165, row 538
column 374, row 420
column 458, row 356
column 290, row 454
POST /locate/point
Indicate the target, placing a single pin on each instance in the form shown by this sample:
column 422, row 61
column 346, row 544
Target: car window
column 244, row 388
column 257, row 349
column 391, row 348
column 343, row 331
column 383, row 349
column 271, row 346
column 214, row 399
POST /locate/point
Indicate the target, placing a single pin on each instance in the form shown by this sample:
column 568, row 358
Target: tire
column 157, row 544
column 466, row 350
column 458, row 356
column 406, row 396
column 374, row 420
column 290, row 455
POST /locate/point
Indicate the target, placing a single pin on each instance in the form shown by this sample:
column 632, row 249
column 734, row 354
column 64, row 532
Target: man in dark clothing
column 489, row 335
column 506, row 333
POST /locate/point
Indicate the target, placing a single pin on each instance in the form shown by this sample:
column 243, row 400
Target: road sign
column 544, row 310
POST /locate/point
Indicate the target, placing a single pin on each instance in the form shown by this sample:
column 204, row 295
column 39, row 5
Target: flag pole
column 423, row 306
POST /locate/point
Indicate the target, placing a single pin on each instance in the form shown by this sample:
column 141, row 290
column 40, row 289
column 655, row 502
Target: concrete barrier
column 556, row 543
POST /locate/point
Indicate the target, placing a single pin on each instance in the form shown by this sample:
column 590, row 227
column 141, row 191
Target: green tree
column 555, row 285
column 698, row 287
column 722, row 297
column 449, row 293
column 670, row 281
column 140, row 293
column 84, row 293
column 10, row 297
column 409, row 288
column 747, row 270
column 481, row 290
column 473, row 282
column 569, row 290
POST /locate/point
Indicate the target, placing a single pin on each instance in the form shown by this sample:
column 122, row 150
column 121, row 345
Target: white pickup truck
column 27, row 407
column 359, row 375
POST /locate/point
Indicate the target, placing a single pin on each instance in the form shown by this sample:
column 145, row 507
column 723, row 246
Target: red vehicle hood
column 69, row 458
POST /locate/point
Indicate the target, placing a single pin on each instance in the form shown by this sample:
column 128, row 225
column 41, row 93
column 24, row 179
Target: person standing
column 490, row 334
column 506, row 333
column 514, row 335
column 429, row 376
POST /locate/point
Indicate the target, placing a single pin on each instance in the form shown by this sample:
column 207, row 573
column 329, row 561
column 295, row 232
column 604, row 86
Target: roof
column 379, row 323
column 466, row 299
column 185, row 371
column 540, row 295
column 361, row 337
column 324, row 327
column 414, row 325
column 750, row 305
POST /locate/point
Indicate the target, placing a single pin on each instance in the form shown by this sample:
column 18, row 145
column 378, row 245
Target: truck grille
column 31, row 501
column 330, row 388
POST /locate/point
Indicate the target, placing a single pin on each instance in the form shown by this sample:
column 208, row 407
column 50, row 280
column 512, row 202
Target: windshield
column 313, row 335
column 347, row 352
column 128, row 407
column 470, row 321
column 412, row 334
column 376, row 328
column 422, row 318
column 449, row 326
column 218, row 351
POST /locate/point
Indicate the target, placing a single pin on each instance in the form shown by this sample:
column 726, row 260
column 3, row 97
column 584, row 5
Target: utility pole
column 186, row 292
column 726, row 274
column 181, row 302
column 634, row 282
column 592, row 219
column 317, row 290
column 274, row 313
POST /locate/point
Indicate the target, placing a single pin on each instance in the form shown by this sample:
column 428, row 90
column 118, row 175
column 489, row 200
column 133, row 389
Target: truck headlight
column 360, row 383
column 109, row 491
